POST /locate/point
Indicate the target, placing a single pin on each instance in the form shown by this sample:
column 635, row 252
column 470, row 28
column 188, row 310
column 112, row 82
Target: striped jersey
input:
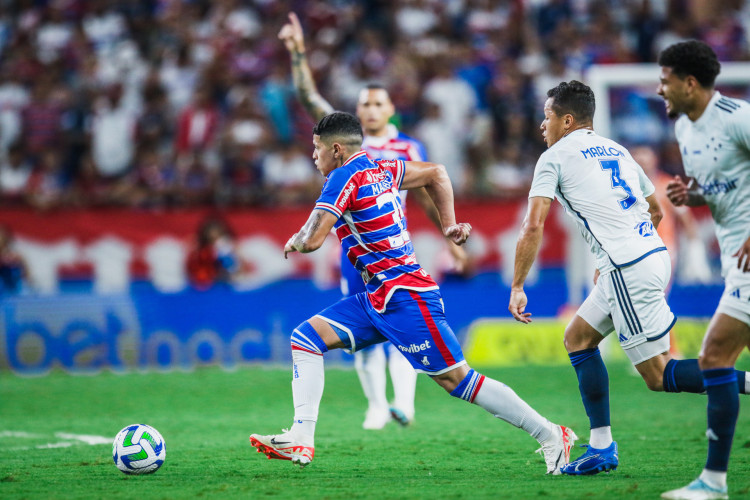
column 364, row 195
column 604, row 190
column 716, row 153
column 395, row 145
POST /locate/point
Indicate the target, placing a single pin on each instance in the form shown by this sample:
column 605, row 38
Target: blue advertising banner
column 86, row 332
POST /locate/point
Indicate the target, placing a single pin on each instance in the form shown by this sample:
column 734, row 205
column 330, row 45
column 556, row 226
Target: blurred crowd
column 175, row 103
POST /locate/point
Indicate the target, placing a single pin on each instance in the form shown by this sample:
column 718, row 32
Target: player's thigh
column 591, row 323
column 729, row 330
column 349, row 320
column 635, row 295
column 415, row 323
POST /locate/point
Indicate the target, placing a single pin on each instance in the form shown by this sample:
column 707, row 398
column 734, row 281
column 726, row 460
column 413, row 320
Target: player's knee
column 575, row 339
column 306, row 338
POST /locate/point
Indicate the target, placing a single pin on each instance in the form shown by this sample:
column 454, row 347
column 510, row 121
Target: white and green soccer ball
column 139, row 449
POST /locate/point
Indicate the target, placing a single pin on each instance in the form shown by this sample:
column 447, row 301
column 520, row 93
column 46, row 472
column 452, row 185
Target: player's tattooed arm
column 294, row 41
column 307, row 92
column 313, row 233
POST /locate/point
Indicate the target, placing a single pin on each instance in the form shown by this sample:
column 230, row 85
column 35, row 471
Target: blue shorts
column 413, row 321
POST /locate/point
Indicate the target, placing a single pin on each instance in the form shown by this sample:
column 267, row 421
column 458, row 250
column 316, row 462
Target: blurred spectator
column 212, row 259
column 289, row 175
column 15, row 174
column 179, row 77
column 14, row 97
column 198, row 130
column 155, row 180
column 12, row 266
column 154, row 124
column 47, row 188
column 112, row 131
column 42, row 118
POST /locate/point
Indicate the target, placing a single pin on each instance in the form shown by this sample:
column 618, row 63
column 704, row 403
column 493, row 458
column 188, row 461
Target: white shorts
column 735, row 301
column 631, row 301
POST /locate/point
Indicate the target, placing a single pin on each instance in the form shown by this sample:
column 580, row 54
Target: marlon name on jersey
column 595, row 151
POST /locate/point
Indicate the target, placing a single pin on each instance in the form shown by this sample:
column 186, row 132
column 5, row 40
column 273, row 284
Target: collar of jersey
column 709, row 108
column 354, row 157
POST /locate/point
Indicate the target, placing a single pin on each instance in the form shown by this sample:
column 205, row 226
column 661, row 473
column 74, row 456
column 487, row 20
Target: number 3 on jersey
column 618, row 182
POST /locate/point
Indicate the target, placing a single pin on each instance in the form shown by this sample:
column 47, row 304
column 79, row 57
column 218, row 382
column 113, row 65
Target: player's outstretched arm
column 529, row 241
column 681, row 194
column 460, row 257
column 313, row 233
column 435, row 180
column 307, row 92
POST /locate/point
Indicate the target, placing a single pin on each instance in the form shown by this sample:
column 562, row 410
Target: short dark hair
column 345, row 127
column 375, row 86
column 692, row 58
column 573, row 98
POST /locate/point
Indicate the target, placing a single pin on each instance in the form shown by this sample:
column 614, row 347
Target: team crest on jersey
column 645, row 229
column 375, row 177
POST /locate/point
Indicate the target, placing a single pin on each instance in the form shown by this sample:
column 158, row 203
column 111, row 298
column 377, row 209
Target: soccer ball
column 138, row 449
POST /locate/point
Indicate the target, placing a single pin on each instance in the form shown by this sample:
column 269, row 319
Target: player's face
column 673, row 90
column 553, row 126
column 323, row 156
column 374, row 109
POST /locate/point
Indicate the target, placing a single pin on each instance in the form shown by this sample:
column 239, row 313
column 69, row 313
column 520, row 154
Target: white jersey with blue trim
column 604, row 190
column 716, row 152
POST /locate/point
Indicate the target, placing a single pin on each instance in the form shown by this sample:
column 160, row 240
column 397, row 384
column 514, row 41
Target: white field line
column 76, row 439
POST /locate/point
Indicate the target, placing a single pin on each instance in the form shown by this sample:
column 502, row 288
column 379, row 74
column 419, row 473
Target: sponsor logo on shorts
column 416, row 347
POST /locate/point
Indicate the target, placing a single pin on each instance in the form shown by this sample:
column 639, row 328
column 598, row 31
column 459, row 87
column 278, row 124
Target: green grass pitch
column 453, row 450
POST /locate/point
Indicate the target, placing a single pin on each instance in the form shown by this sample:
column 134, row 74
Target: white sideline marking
column 77, row 439
column 86, row 438
column 18, row 434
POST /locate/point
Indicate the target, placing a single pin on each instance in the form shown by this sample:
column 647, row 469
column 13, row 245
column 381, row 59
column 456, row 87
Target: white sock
column 601, row 437
column 747, row 382
column 404, row 380
column 714, row 478
column 500, row 400
column 308, row 380
column 370, row 366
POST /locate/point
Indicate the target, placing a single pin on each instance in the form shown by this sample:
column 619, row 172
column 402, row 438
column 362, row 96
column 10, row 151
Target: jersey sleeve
column 647, row 187
column 397, row 168
column 738, row 127
column 339, row 190
column 546, row 178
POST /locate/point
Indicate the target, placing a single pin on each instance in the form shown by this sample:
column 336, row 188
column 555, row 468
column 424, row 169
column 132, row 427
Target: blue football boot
column 593, row 461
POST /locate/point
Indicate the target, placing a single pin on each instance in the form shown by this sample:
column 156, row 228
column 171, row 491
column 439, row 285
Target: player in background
column 675, row 220
column 613, row 202
column 382, row 140
column 713, row 133
column 402, row 303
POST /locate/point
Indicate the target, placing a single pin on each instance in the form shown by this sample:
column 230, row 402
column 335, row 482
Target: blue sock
column 723, row 409
column 593, row 383
column 685, row 375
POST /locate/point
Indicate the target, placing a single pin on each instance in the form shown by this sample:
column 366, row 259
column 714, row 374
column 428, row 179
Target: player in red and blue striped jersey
column 401, row 304
column 382, row 140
